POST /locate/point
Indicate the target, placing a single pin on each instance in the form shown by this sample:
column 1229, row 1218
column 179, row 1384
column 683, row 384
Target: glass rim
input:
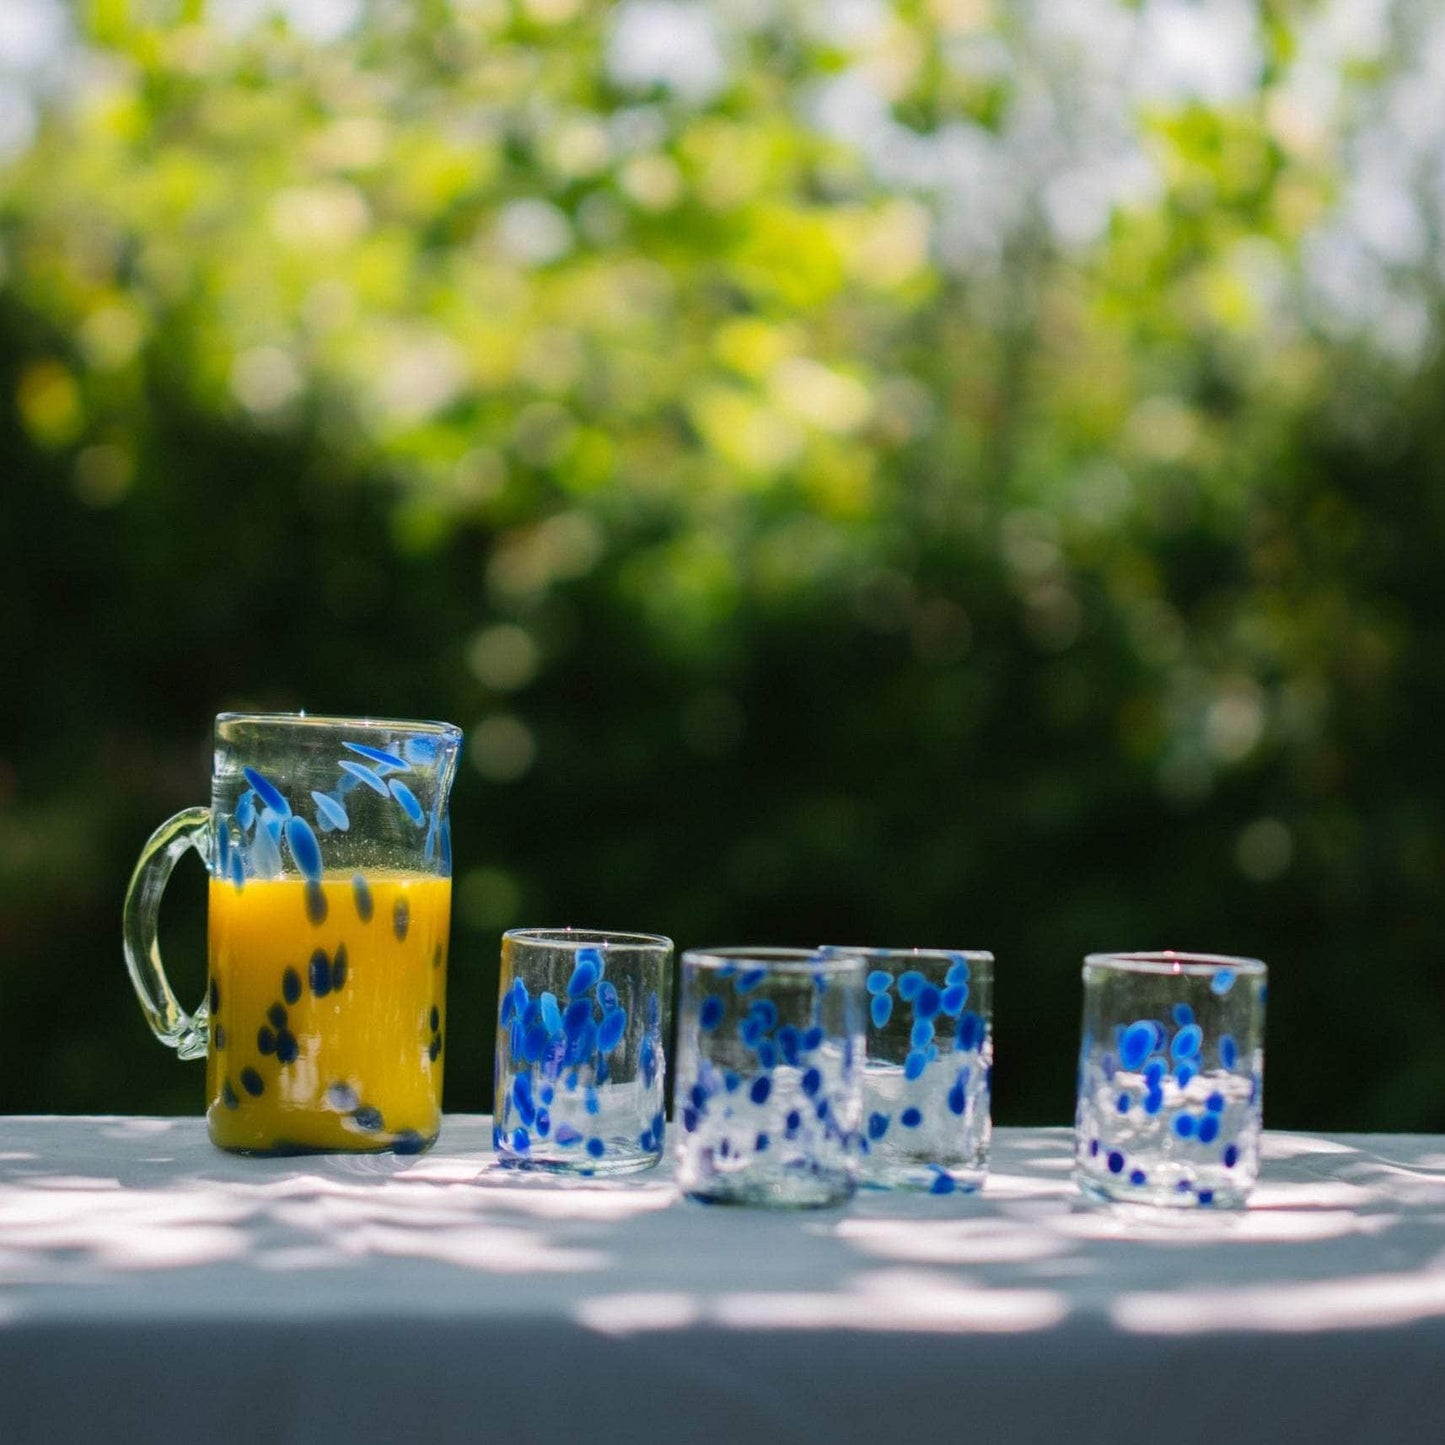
column 303, row 719
column 783, row 961
column 876, row 954
column 588, row 938
column 1175, row 961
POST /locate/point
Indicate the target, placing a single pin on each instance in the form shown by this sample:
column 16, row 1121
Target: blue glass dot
column 794, row 1121
column 1115, row 1162
column 789, row 1042
column 1109, row 1065
column 710, row 1015
column 434, row 1049
column 566, row 1136
column 586, row 974
column 534, row 1041
column 958, row 1094
column 246, row 809
column 954, row 999
column 909, row 984
column 607, row 995
column 1222, row 981
column 1182, row 1014
column 318, row 973
column 304, row 848
column 369, row 1118
column 877, row 1125
column 1153, row 1101
column 595, row 1147
column 1228, row 1051
column 1183, row 1186
column 265, row 1040
column 812, row 1082
column 765, row 1011
column 521, row 1141
column 821, row 1109
column 654, row 1009
column 879, row 981
column 316, row 905
column 732, row 1081
column 1186, row 1042
column 914, row 1064
column 689, row 1119
column 1183, row 1074
column 251, row 1082
column 970, row 1030
column 522, row 1098
column 577, row 1016
column 278, row 1015
column 407, row 799
column 1206, row 1196
column 911, row 1117
column 1122, row 1103
column 290, row 985
column 1093, row 1148
column 922, row 1034
column 220, row 1037
column 378, row 755
column 1154, row 1073
column 943, row 1183
column 958, row 970
column 1208, row 1130
column 1138, row 1177
column 238, row 871
column 812, row 1039
column 750, row 979
column 609, row 1033
column 267, row 791
column 229, row 1097
column 880, row 1009
column 550, row 1012
column 401, row 919
column 328, row 808
column 1184, row 1125
column 338, row 969
column 1231, row 1156
column 767, row 1054
column 363, row 775
column 649, row 1063
column 1136, row 1044
column 761, row 1143
column 1215, row 1103
column 590, row 1101
column 927, row 1002
column 287, row 1049
column 760, row 1088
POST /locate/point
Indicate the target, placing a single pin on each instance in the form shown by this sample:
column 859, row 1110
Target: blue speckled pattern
column 1170, row 1079
column 770, row 1048
column 580, row 1057
column 929, row 1066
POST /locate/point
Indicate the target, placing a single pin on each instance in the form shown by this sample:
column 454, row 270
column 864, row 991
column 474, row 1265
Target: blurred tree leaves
column 881, row 472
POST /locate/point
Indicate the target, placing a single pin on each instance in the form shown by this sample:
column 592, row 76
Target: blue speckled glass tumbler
column 1171, row 1078
column 930, row 1064
column 770, row 1071
column 579, row 1061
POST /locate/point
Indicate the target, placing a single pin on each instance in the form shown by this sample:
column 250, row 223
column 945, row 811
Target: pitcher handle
column 188, row 1034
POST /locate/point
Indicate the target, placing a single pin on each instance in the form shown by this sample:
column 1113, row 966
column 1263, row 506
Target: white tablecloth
column 152, row 1287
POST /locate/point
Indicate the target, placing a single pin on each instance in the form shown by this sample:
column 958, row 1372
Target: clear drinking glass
column 579, row 1061
column 769, row 1081
column 329, row 852
column 926, row 1119
column 1171, row 1078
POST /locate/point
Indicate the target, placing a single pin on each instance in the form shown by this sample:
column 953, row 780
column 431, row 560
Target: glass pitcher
column 328, row 846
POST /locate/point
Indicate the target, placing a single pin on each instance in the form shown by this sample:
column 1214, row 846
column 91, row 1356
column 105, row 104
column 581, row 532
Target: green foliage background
column 816, row 542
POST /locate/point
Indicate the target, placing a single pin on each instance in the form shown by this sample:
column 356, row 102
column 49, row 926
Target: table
column 153, row 1287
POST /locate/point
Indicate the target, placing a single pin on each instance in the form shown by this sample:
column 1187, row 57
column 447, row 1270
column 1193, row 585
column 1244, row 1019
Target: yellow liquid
column 298, row 1064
